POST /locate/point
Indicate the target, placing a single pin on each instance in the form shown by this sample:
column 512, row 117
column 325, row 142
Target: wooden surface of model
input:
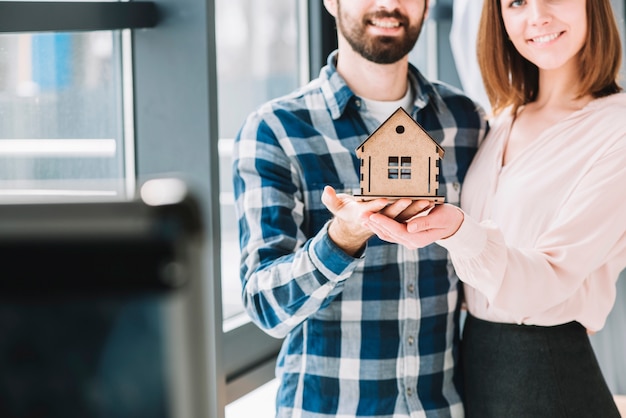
column 400, row 159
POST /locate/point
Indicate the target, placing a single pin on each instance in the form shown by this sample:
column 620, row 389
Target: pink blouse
column 544, row 237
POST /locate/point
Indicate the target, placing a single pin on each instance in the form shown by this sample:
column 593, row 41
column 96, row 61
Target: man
column 370, row 328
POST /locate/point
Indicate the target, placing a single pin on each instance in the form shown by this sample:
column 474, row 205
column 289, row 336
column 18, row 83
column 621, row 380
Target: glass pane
column 61, row 120
column 257, row 60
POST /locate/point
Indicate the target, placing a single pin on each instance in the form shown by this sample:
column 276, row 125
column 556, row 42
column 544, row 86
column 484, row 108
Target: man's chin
column 381, row 49
column 384, row 57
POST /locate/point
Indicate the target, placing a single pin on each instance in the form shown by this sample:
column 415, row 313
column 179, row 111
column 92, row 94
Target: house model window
column 399, row 168
column 400, row 159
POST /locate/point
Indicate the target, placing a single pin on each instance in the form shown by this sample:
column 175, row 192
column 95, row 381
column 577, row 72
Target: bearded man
column 370, row 328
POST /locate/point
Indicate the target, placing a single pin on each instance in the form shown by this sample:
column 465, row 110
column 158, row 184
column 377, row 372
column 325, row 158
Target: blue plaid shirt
column 374, row 336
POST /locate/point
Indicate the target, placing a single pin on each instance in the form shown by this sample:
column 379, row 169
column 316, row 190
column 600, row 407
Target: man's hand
column 348, row 230
column 440, row 223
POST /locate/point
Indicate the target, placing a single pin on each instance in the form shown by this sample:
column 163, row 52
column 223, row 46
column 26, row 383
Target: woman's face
column 548, row 33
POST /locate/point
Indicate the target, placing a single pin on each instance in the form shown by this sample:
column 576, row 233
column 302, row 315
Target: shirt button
column 409, row 391
column 411, row 340
column 411, row 288
column 357, row 102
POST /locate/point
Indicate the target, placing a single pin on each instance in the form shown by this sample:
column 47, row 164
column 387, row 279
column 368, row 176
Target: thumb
column 330, row 199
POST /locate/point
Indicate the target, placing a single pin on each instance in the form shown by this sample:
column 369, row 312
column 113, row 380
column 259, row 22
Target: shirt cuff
column 468, row 242
column 331, row 260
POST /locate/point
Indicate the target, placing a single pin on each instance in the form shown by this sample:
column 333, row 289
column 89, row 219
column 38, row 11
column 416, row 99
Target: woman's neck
column 559, row 90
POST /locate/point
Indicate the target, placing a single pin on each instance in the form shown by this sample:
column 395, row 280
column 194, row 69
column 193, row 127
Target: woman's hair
column 511, row 79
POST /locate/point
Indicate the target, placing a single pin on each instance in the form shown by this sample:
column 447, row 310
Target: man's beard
column 379, row 49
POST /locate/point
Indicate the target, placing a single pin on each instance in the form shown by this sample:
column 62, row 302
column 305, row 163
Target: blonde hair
column 512, row 80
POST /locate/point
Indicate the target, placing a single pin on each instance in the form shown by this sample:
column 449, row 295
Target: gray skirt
column 522, row 371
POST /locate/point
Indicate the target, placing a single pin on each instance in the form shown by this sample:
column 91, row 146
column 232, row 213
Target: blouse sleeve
column 583, row 247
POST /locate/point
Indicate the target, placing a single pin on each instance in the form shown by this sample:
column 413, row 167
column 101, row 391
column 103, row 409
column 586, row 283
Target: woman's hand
column 441, row 222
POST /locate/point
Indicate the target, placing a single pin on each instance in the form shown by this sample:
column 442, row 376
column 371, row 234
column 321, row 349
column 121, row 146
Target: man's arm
column 287, row 273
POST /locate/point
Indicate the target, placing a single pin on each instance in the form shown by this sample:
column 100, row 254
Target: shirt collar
column 338, row 95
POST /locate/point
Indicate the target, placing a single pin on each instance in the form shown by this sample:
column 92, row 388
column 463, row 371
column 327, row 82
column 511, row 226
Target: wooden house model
column 400, row 159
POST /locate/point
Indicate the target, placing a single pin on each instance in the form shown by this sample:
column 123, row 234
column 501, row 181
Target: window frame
column 67, row 16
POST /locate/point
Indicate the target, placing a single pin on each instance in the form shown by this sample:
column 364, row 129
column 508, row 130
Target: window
column 66, row 120
column 257, row 60
column 62, row 124
column 404, row 172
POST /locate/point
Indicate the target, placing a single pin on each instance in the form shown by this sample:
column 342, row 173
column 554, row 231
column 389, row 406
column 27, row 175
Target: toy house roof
column 400, row 116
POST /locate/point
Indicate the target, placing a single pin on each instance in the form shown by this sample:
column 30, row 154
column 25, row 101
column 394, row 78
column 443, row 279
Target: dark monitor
column 100, row 310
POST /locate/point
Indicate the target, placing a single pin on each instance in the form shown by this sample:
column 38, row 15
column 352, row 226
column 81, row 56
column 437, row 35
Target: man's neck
column 382, row 82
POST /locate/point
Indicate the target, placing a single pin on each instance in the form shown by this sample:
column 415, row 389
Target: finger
column 336, row 202
column 330, row 199
column 419, row 224
column 387, row 225
column 416, row 208
column 381, row 231
column 402, row 238
column 370, row 207
column 429, row 230
column 421, row 205
column 443, row 217
column 377, row 205
column 396, row 208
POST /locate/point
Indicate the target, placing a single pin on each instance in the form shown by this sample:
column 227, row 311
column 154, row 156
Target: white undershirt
column 381, row 110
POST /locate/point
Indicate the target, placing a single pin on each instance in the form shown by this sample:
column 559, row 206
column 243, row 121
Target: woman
column 542, row 235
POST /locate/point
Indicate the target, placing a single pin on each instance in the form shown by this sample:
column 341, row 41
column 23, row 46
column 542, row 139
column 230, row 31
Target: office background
column 91, row 108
